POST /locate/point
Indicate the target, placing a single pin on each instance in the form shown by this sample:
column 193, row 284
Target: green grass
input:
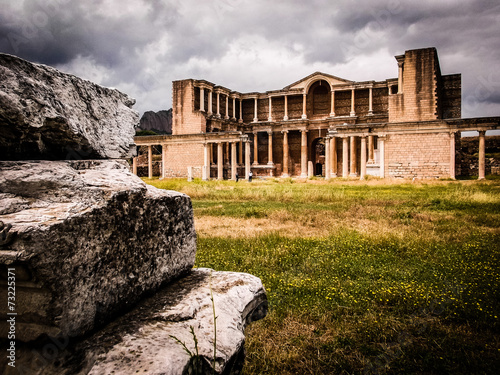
column 381, row 278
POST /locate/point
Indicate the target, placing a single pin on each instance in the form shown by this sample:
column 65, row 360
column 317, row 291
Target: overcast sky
column 140, row 47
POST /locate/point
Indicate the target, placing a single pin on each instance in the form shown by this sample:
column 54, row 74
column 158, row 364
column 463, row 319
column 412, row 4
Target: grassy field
column 362, row 277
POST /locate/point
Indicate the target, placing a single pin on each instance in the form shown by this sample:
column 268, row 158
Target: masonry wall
column 181, row 156
column 185, row 120
column 418, row 155
column 451, row 96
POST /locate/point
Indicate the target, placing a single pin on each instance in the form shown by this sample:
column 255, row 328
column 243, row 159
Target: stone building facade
column 323, row 125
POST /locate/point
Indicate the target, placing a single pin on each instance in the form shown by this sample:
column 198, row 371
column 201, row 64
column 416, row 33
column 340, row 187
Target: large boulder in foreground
column 47, row 114
column 147, row 340
column 88, row 240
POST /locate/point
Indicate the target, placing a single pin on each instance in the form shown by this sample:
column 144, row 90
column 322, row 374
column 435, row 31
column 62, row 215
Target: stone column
column 381, row 147
column 240, row 154
column 270, row 117
column 211, row 145
column 327, row 159
column 363, row 158
column 332, row 110
column 150, row 162
column 354, row 172
column 285, row 118
column 218, row 104
column 163, row 160
column 285, row 153
column 241, row 111
column 210, row 105
column 370, row 101
column 247, row 159
column 333, row 153
column 202, row 99
column 255, row 148
column 353, row 112
column 270, row 148
column 233, row 161
column 255, row 113
column 206, row 162
column 234, row 108
column 226, row 154
column 304, row 108
column 345, row 157
column 482, row 155
column 227, row 108
column 400, row 76
column 371, row 151
column 452, row 155
column 303, row 154
column 220, row 167
column 134, row 165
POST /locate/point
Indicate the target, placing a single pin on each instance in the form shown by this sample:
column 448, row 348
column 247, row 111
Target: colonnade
column 223, row 158
column 220, row 92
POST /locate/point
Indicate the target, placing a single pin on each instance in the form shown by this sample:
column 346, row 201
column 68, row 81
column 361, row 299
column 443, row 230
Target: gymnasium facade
column 322, row 125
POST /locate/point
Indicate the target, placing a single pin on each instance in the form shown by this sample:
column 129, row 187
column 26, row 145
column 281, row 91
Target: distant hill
column 159, row 122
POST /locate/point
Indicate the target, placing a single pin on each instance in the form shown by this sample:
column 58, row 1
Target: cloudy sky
column 141, row 46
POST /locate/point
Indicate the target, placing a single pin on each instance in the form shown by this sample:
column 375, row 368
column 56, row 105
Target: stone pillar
column 218, row 105
column 381, row 147
column 303, row 154
column 220, row 167
column 226, row 154
column 270, row 117
column 134, row 165
column 227, row 108
column 332, row 110
column 353, row 112
column 400, row 76
column 285, row 118
column 285, row 153
column 452, row 155
column 255, row 113
column 163, row 160
column 240, row 154
column 255, row 148
column 354, row 172
column 345, row 157
column 363, row 158
column 304, row 107
column 310, row 169
column 234, row 108
column 211, row 155
column 327, row 159
column 371, row 151
column 190, row 174
column 247, row 160
column 202, row 99
column 370, row 101
column 233, row 161
column 150, row 161
column 270, row 148
column 241, row 111
column 210, row 105
column 333, row 153
column 482, row 155
column 206, row 162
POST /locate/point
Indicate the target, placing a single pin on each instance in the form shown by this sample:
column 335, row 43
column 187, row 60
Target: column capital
column 284, row 131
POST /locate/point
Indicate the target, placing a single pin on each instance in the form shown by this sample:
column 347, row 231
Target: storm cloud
column 140, row 47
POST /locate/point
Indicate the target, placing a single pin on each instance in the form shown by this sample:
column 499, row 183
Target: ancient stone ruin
column 96, row 266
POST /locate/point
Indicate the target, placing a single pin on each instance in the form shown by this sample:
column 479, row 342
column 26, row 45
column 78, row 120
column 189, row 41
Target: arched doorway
column 319, row 99
column 318, row 156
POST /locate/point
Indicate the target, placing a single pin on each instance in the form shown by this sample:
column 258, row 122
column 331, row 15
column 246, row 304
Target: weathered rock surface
column 47, row 114
column 141, row 341
column 90, row 240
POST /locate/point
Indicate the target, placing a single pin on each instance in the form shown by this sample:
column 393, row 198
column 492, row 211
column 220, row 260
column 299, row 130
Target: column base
column 255, row 119
column 303, row 175
column 332, row 114
column 333, row 175
column 370, row 113
column 270, row 163
column 285, row 118
column 353, row 175
column 352, row 114
column 285, row 175
column 304, row 117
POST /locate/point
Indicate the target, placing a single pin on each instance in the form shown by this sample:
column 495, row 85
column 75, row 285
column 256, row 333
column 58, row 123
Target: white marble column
column 220, row 166
column 218, row 104
column 353, row 112
column 255, row 148
column 303, row 154
column 304, row 106
column 255, row 113
column 327, row 159
column 333, row 153
column 332, row 107
column 270, row 117
column 363, row 158
column 210, row 105
column 270, row 148
column 285, row 118
column 202, row 99
column 234, row 109
column 482, row 155
column 227, row 108
column 345, row 157
column 370, row 101
column 241, row 111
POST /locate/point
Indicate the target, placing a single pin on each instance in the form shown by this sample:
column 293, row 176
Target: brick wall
column 185, row 120
column 181, row 156
column 418, row 155
column 451, row 96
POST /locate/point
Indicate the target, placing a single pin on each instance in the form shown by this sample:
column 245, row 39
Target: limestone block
column 142, row 341
column 47, row 114
column 89, row 240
